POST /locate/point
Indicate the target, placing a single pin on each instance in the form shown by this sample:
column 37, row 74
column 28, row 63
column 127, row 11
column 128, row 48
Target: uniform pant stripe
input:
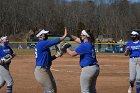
column 9, row 89
column 138, row 87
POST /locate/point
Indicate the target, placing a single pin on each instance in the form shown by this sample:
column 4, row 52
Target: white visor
column 85, row 33
column 42, row 32
column 3, row 37
column 134, row 33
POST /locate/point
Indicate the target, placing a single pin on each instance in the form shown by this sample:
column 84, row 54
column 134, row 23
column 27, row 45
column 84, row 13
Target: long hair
column 91, row 38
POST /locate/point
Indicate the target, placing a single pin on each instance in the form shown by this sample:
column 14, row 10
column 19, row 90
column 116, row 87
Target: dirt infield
column 113, row 76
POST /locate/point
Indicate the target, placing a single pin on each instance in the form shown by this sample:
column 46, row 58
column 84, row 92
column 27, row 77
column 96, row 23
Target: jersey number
column 35, row 52
column 93, row 53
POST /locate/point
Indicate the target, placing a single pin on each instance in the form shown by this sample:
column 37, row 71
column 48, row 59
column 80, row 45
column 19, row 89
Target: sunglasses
column 133, row 35
column 83, row 35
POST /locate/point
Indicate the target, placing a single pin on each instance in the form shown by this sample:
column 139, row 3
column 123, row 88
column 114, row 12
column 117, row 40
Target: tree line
column 112, row 19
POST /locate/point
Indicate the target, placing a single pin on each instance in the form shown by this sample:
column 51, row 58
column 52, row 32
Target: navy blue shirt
column 42, row 52
column 134, row 49
column 86, row 50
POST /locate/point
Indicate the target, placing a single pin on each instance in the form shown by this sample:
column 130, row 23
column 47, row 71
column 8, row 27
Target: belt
column 90, row 65
column 135, row 57
column 41, row 66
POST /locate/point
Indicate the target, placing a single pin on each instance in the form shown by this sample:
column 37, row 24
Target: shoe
column 130, row 89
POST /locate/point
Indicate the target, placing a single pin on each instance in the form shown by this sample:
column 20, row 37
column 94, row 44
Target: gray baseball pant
column 134, row 69
column 88, row 79
column 5, row 76
column 45, row 78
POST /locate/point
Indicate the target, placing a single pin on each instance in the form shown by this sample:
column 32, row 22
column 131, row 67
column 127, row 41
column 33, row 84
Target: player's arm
column 54, row 42
column 13, row 55
column 1, row 62
column 127, row 51
column 71, row 52
column 59, row 52
column 65, row 34
column 54, row 57
column 12, row 52
column 78, row 51
column 50, row 43
column 75, row 38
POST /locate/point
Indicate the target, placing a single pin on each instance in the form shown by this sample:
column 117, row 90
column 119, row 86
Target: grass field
column 113, row 76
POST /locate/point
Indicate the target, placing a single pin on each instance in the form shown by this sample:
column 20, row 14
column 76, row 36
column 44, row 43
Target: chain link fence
column 99, row 47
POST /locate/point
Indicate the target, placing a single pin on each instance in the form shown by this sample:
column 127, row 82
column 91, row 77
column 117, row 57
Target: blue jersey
column 4, row 50
column 87, row 54
column 2, row 53
column 134, row 49
column 42, row 52
column 8, row 50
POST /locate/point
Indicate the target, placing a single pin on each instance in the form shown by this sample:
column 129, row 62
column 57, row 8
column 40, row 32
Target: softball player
column 88, row 61
column 44, row 59
column 5, row 76
column 133, row 50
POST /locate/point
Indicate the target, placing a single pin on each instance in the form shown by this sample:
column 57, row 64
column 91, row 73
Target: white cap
column 85, row 33
column 3, row 37
column 42, row 32
column 134, row 33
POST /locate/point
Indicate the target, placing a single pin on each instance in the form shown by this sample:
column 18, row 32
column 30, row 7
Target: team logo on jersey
column 135, row 47
column 7, row 51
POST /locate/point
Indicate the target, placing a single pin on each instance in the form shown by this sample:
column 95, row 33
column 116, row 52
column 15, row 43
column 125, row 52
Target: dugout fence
column 99, row 47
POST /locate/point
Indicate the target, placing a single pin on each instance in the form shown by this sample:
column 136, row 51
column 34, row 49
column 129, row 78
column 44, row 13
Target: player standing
column 5, row 76
column 133, row 50
column 44, row 59
column 88, row 61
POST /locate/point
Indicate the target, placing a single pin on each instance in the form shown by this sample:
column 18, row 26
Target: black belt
column 42, row 66
column 135, row 57
column 90, row 65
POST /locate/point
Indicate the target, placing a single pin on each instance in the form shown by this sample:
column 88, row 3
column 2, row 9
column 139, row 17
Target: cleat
column 130, row 89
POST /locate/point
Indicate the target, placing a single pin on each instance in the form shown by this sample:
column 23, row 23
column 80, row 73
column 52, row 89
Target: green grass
column 27, row 51
column 31, row 52
column 24, row 51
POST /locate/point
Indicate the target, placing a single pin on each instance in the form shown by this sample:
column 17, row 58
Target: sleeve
column 80, row 50
column 127, row 44
column 50, row 43
column 11, row 51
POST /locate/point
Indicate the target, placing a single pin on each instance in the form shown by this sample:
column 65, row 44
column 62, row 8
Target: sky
column 93, row 0
column 134, row 0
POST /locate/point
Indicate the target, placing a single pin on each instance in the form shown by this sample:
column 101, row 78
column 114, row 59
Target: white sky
column 93, row 0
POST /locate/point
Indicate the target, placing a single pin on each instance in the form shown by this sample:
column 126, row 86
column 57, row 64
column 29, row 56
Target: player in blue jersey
column 88, row 61
column 133, row 50
column 44, row 59
column 5, row 76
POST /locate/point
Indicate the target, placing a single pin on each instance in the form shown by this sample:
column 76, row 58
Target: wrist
column 56, row 56
column 67, row 49
column 63, row 37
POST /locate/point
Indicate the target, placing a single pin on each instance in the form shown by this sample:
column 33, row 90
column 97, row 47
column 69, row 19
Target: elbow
column 72, row 55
